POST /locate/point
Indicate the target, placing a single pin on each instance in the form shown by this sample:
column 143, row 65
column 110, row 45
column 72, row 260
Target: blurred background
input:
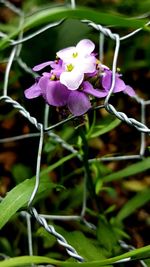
column 18, row 158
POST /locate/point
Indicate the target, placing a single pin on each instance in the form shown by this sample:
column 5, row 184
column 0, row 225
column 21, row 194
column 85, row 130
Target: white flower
column 77, row 60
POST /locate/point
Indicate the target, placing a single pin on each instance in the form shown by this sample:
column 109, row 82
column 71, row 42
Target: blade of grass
column 19, row 196
column 128, row 171
column 134, row 203
column 136, row 254
column 58, row 13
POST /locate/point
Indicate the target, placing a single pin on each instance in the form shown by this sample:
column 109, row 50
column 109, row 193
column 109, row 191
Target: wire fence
column 44, row 128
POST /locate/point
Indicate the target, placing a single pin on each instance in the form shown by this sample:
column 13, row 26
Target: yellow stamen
column 98, row 61
column 52, row 78
column 75, row 54
column 70, row 67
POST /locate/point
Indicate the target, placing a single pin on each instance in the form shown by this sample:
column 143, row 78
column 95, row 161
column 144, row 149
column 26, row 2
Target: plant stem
column 88, row 177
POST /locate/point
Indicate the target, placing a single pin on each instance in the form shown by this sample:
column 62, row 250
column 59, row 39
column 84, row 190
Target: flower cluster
column 75, row 77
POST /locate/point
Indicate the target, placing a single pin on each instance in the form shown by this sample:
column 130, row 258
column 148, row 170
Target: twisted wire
column 16, row 52
column 131, row 121
column 110, row 108
column 129, row 248
column 120, row 115
column 50, row 229
column 22, row 111
column 39, row 126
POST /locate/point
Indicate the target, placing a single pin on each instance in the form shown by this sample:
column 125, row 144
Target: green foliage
column 18, row 198
column 139, row 200
column 107, row 124
column 21, row 172
column 21, row 261
column 133, row 169
column 89, row 248
column 61, row 178
column 60, row 13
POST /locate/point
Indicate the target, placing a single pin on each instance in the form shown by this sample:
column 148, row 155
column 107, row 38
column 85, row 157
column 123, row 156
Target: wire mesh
column 44, row 128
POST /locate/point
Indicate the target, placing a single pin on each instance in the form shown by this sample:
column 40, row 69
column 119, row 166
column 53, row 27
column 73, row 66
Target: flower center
column 52, row 78
column 70, row 67
column 75, row 54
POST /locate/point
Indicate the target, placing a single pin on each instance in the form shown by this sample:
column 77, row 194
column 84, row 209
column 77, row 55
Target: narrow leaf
column 136, row 254
column 26, row 260
column 128, row 171
column 18, row 197
column 53, row 14
column 104, row 128
column 136, row 202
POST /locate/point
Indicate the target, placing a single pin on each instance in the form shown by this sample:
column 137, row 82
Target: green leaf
column 128, row 171
column 21, row 172
column 134, row 203
column 18, row 197
column 57, row 164
column 53, row 14
column 136, row 254
column 48, row 240
column 106, row 125
column 107, row 237
column 87, row 247
column 25, row 260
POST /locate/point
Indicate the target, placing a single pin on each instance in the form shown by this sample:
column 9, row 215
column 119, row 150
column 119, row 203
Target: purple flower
column 77, row 61
column 119, row 84
column 57, row 94
column 72, row 77
column 57, row 67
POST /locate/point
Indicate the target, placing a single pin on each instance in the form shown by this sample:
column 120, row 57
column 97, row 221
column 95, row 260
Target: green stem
column 89, row 181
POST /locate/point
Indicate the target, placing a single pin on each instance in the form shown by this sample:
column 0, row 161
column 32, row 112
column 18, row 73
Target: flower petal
column 56, row 94
column 106, row 82
column 78, row 103
column 33, row 91
column 89, row 89
column 66, row 53
column 72, row 79
column 43, row 83
column 42, row 66
column 58, row 68
column 87, row 65
column 129, row 91
column 92, row 74
column 85, row 47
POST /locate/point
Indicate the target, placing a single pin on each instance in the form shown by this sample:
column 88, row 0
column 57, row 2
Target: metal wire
column 61, row 240
column 44, row 128
column 130, row 248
